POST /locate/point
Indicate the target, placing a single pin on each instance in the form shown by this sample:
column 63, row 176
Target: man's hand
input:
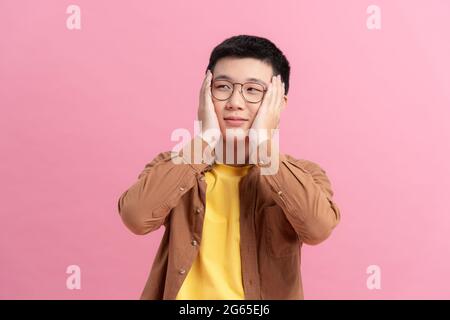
column 210, row 129
column 266, row 120
column 206, row 113
column 268, row 116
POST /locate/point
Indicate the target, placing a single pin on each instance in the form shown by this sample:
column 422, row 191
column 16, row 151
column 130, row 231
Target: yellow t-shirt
column 216, row 272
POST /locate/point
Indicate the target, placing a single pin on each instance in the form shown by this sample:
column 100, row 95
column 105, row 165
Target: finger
column 206, row 80
column 206, row 86
column 277, row 101
column 276, row 90
column 270, row 93
column 280, row 94
column 283, row 95
column 267, row 97
column 208, row 90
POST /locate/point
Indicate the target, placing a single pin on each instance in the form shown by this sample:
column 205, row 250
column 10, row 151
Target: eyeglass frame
column 240, row 91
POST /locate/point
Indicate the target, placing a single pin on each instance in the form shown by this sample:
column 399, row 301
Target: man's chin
column 240, row 138
column 236, row 133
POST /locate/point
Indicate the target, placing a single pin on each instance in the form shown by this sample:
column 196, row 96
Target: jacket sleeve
column 302, row 189
column 160, row 186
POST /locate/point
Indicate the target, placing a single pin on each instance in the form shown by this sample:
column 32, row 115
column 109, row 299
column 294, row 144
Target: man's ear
column 284, row 103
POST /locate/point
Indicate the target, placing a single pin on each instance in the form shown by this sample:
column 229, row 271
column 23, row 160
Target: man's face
column 239, row 70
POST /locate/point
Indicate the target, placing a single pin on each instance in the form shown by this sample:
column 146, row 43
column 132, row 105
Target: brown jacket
column 278, row 213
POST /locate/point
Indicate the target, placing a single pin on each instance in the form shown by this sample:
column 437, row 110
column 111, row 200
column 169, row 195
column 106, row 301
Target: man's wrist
column 263, row 153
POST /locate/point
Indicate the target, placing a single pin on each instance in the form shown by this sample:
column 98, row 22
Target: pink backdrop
column 82, row 112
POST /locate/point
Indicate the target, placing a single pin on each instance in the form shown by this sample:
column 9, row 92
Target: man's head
column 242, row 59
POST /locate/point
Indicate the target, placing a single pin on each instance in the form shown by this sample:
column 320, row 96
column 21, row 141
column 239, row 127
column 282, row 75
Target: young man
column 230, row 231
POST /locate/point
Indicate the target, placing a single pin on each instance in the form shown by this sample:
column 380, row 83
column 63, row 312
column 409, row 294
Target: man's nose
column 236, row 101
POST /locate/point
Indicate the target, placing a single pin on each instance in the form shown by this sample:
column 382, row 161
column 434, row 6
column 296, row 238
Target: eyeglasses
column 252, row 92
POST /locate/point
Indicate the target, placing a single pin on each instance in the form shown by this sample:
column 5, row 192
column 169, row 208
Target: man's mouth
column 235, row 121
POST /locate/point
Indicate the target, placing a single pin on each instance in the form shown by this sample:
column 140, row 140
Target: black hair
column 246, row 46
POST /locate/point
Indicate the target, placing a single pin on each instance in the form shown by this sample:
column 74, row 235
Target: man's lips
column 235, row 121
column 234, row 118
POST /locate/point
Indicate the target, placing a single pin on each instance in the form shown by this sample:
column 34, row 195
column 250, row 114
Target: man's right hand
column 206, row 113
column 210, row 129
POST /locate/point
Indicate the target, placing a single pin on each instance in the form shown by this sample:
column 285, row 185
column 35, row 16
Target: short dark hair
column 246, row 46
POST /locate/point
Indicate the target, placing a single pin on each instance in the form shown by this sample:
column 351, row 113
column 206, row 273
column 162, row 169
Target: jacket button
column 194, row 242
column 181, row 271
column 198, row 210
column 202, row 178
column 181, row 189
column 280, row 193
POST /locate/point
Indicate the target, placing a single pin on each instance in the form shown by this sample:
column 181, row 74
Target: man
column 230, row 231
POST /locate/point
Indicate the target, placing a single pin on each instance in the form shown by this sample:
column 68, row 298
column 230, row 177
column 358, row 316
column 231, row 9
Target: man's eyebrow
column 225, row 77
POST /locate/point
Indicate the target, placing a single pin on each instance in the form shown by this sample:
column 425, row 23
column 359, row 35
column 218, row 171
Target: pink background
column 82, row 112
